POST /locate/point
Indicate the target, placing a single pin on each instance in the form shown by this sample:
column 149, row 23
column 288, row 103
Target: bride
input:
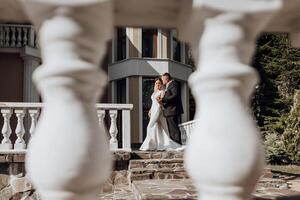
column 157, row 130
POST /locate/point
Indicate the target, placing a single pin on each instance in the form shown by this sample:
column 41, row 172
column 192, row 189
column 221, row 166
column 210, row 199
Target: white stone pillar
column 34, row 114
column 6, row 129
column 126, row 130
column 113, row 130
column 224, row 155
column 20, row 130
column 101, row 115
column 68, row 157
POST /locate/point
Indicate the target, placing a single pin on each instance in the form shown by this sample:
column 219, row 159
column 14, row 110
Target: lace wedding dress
column 157, row 130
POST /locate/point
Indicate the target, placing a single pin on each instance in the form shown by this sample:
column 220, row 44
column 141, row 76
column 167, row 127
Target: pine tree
column 291, row 135
column 279, row 67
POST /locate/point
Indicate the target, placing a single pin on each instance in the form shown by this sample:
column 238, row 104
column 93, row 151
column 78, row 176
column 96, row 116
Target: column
column 30, row 93
column 68, row 156
column 224, row 155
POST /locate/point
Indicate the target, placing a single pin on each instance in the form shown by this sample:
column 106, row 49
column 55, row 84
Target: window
column 121, row 91
column 176, row 49
column 121, row 43
column 149, row 43
column 148, row 86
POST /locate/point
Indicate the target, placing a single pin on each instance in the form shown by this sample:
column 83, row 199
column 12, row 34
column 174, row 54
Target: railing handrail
column 17, row 25
column 187, row 123
column 104, row 106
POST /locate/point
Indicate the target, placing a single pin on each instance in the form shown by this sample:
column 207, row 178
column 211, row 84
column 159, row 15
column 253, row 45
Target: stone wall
column 14, row 184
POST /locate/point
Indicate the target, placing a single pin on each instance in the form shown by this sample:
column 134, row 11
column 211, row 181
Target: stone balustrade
column 33, row 110
column 73, row 36
column 186, row 129
column 15, row 35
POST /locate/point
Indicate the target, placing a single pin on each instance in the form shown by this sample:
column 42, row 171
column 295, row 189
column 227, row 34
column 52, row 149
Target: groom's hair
column 167, row 75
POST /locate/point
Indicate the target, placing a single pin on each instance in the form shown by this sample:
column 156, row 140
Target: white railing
column 33, row 110
column 13, row 35
column 186, row 129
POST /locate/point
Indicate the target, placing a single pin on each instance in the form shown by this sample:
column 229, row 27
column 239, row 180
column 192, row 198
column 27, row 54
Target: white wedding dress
column 157, row 130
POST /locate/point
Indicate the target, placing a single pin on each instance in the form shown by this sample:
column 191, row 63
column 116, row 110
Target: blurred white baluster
column 6, row 129
column 73, row 37
column 6, row 39
column 20, row 130
column 1, row 36
column 25, row 37
column 19, row 36
column 113, row 130
column 13, row 36
column 34, row 113
column 101, row 115
column 224, row 155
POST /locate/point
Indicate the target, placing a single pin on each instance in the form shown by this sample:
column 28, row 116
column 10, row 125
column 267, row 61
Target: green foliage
column 275, row 149
column 291, row 134
column 279, row 67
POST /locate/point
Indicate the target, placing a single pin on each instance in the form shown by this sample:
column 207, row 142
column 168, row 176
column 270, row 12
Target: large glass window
column 121, row 43
column 148, row 86
column 176, row 49
column 149, row 43
column 121, row 91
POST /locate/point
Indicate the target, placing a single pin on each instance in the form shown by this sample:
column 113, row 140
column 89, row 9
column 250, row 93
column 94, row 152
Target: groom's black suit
column 172, row 109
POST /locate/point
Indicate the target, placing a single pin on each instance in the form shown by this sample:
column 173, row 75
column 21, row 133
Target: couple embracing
column 162, row 131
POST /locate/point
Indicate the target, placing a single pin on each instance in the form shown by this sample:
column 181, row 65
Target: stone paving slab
column 182, row 189
column 160, row 173
column 156, row 163
column 170, row 154
column 164, row 190
column 120, row 192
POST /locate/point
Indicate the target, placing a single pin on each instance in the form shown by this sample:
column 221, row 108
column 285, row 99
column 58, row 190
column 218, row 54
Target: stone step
column 156, row 163
column 164, row 190
column 170, row 154
column 159, row 173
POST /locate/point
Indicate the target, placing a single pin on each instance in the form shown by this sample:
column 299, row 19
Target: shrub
column 275, row 149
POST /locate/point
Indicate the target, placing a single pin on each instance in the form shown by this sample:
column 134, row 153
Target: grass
column 291, row 169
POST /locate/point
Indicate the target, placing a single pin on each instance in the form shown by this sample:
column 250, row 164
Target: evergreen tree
column 291, row 135
column 279, row 67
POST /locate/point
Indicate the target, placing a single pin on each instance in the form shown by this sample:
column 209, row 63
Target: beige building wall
column 165, row 44
column 133, row 98
column 134, row 42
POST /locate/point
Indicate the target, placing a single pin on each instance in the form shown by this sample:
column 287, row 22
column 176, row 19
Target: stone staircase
column 163, row 168
column 161, row 176
column 139, row 170
column 160, row 172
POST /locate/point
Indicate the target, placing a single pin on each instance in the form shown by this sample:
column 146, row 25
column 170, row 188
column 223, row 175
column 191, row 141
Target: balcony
column 148, row 67
column 27, row 115
column 17, row 38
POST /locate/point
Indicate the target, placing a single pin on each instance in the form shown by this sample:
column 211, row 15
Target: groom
column 171, row 106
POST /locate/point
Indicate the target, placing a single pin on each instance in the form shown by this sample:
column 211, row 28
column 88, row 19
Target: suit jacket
column 171, row 101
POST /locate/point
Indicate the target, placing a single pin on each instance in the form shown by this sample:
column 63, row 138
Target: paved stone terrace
column 144, row 176
column 281, row 187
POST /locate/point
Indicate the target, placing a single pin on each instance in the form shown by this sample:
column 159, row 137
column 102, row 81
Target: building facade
column 135, row 57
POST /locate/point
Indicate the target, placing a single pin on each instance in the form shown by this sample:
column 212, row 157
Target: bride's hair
column 157, row 79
